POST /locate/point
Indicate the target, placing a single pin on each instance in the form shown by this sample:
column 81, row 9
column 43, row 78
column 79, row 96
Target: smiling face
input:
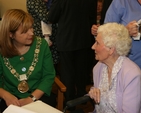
column 101, row 51
column 21, row 38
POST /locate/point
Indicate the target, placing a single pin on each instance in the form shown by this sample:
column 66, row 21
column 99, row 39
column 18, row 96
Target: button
column 23, row 69
column 22, row 58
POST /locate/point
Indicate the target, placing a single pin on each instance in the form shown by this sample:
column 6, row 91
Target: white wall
column 11, row 4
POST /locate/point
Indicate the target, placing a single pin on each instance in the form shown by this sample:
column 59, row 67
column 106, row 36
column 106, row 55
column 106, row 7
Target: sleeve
column 115, row 11
column 48, row 70
column 132, row 92
column 55, row 11
column 97, row 70
column 38, row 8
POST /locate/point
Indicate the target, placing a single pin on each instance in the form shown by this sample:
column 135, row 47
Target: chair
column 81, row 100
column 82, row 104
column 61, row 88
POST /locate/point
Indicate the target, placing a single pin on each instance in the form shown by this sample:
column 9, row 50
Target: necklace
column 23, row 85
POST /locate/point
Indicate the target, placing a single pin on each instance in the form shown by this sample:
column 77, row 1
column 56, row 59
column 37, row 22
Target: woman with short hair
column 117, row 79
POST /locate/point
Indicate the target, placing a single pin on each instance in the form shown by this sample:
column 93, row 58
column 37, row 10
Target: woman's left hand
column 94, row 93
column 25, row 101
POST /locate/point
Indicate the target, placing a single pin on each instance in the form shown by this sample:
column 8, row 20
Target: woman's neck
column 110, row 65
column 111, row 61
column 22, row 49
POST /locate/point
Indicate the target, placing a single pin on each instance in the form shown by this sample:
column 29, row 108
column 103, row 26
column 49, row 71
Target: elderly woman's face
column 101, row 51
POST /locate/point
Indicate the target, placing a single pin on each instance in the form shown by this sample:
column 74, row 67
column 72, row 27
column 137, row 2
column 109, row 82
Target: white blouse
column 108, row 91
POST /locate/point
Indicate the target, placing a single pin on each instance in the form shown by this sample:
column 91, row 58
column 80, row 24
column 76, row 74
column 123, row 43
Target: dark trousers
column 75, row 67
column 50, row 100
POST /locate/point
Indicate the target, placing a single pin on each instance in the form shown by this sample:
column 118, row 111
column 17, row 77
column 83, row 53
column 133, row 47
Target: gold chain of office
column 33, row 64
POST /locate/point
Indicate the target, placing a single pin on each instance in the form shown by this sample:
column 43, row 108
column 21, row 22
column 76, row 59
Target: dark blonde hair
column 10, row 23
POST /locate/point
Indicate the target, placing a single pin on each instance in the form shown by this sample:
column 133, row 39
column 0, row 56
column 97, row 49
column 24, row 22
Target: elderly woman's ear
column 110, row 50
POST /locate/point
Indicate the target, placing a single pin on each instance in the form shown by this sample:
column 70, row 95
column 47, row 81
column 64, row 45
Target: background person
column 126, row 12
column 39, row 11
column 74, row 41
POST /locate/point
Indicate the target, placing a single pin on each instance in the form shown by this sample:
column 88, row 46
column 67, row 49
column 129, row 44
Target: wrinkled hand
column 132, row 28
column 11, row 99
column 94, row 93
column 94, row 29
column 25, row 101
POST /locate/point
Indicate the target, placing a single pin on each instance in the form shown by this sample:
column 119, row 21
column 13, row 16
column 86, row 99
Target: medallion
column 23, row 86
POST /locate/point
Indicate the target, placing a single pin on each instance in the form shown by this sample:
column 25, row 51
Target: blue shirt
column 125, row 11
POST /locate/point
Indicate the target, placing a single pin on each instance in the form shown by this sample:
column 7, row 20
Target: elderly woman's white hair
column 117, row 36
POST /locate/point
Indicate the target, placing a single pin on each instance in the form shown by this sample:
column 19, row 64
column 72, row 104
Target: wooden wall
column 11, row 4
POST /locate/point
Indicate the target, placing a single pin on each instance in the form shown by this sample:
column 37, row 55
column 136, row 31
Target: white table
column 40, row 107
column 35, row 107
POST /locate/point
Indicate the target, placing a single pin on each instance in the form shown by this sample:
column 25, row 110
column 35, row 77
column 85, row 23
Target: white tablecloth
column 35, row 107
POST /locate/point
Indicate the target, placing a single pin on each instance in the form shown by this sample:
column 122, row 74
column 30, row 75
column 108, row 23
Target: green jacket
column 42, row 76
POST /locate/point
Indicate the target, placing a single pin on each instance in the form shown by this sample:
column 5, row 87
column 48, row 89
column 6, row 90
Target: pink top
column 128, row 89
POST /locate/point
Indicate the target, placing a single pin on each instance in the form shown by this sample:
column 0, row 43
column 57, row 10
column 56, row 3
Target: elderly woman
column 117, row 80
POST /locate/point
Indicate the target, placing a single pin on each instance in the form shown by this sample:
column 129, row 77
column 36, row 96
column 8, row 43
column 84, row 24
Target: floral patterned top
column 39, row 11
column 108, row 90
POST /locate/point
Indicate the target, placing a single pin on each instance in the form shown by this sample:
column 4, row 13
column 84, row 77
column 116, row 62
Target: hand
column 94, row 93
column 25, row 101
column 11, row 99
column 94, row 29
column 48, row 40
column 132, row 28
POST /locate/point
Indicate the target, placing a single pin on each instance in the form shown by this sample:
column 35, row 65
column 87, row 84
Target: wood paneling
column 11, row 4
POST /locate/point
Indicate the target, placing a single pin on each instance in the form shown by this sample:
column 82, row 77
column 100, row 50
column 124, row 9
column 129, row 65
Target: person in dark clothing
column 74, row 40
